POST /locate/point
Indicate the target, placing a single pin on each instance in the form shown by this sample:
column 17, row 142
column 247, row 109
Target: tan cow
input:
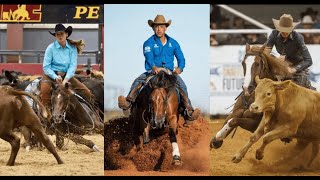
column 15, row 112
column 288, row 110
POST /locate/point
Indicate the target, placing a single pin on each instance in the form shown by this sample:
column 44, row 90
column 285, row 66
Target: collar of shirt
column 57, row 45
column 156, row 38
column 290, row 36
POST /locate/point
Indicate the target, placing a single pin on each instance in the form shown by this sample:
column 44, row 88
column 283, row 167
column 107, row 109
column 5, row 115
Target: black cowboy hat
column 59, row 28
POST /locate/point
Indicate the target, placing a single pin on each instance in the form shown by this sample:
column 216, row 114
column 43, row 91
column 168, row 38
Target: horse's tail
column 46, row 114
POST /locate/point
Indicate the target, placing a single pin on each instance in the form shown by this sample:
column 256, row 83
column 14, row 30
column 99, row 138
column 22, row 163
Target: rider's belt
column 62, row 74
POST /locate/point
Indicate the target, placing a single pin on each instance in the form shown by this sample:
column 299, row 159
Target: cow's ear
column 282, row 85
column 257, row 79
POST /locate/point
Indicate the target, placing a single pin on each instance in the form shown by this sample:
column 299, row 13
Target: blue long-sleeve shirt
column 57, row 58
column 160, row 55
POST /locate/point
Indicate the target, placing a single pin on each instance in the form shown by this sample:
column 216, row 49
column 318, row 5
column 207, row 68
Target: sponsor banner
column 45, row 13
column 226, row 74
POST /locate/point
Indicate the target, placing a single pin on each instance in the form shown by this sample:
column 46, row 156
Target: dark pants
column 142, row 78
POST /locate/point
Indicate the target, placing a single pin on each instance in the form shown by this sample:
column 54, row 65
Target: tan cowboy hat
column 159, row 20
column 285, row 24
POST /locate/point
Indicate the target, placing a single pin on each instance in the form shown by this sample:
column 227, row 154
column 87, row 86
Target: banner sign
column 45, row 13
column 226, row 75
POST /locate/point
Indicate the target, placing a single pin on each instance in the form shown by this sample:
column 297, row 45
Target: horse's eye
column 268, row 94
column 257, row 64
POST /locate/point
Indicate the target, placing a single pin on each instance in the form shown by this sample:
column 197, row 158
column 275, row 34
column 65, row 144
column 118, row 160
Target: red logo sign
column 20, row 13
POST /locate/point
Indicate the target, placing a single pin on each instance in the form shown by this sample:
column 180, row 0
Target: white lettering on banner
column 226, row 74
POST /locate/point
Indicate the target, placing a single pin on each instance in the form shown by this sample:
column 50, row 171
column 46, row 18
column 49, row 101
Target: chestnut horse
column 156, row 108
column 257, row 62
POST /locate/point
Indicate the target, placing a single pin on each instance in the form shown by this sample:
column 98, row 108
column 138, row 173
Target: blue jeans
column 142, row 78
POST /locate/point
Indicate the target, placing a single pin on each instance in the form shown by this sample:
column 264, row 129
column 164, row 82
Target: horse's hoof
column 215, row 144
column 176, row 160
column 259, row 155
column 146, row 141
column 236, row 159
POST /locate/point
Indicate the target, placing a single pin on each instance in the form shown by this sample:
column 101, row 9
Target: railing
column 40, row 55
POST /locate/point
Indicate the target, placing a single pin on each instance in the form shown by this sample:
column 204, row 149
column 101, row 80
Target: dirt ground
column 271, row 164
column 79, row 160
column 154, row 158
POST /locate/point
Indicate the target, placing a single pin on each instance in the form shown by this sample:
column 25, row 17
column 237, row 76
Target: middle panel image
column 157, row 89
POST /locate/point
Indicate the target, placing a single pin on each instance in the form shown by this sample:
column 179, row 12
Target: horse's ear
column 7, row 74
column 263, row 46
column 67, row 85
column 247, row 47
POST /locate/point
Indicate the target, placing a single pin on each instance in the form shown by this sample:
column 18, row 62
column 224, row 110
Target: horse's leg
column 59, row 140
column 15, row 146
column 173, row 125
column 38, row 131
column 226, row 129
column 146, row 135
column 79, row 139
column 27, row 137
column 254, row 138
column 248, row 124
column 279, row 132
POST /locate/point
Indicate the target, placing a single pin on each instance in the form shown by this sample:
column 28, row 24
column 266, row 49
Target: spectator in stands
column 290, row 45
column 254, row 39
column 314, row 15
column 307, row 23
column 215, row 16
column 316, row 38
column 60, row 63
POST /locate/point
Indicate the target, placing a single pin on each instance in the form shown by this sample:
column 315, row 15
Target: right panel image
column 264, row 83
column 157, row 90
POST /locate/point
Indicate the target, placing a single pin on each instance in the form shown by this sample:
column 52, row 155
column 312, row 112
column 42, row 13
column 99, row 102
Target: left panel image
column 51, row 89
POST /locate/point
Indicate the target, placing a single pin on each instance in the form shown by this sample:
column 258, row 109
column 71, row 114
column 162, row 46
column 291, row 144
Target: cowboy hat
column 307, row 19
column 285, row 24
column 159, row 20
column 61, row 28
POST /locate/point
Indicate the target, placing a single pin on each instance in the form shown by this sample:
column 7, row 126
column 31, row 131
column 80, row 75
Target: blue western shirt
column 160, row 55
column 57, row 58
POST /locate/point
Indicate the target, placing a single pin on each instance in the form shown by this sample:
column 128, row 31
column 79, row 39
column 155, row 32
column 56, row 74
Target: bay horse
column 257, row 62
column 73, row 117
column 156, row 109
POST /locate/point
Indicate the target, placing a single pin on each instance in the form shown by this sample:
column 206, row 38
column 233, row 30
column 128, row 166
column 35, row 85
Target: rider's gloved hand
column 177, row 71
column 59, row 79
column 65, row 81
column 155, row 69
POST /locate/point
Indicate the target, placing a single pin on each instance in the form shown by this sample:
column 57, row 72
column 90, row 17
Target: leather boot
column 125, row 103
column 190, row 114
column 45, row 94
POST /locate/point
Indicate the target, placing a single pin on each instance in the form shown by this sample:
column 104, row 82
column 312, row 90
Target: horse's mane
column 164, row 80
column 277, row 67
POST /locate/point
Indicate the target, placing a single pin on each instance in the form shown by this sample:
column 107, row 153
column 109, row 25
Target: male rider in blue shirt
column 159, row 51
